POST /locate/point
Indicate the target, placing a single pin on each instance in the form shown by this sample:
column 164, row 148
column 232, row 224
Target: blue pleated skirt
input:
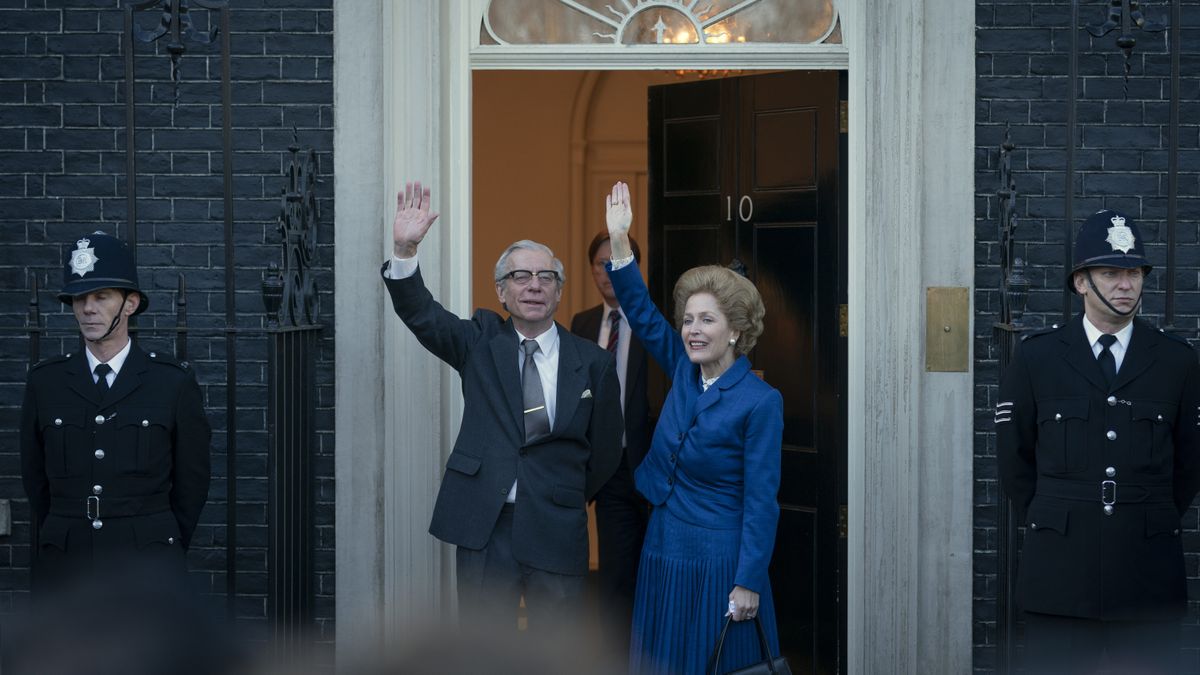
column 684, row 579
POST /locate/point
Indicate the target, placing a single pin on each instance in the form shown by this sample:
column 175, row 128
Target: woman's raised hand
column 619, row 216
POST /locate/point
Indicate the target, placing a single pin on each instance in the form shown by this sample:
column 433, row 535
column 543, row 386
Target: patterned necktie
column 614, row 330
column 1108, row 363
column 102, row 370
column 537, row 421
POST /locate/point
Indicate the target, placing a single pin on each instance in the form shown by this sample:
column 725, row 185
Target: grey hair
column 528, row 245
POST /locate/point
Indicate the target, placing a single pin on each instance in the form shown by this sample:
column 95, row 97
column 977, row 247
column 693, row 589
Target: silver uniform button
column 1112, row 400
column 1110, row 472
column 1160, row 418
column 1057, row 417
column 154, row 355
column 58, row 421
column 97, row 489
column 170, row 540
column 1108, row 509
column 145, row 423
column 1111, row 435
column 97, row 524
column 99, row 453
column 1033, row 526
column 99, row 419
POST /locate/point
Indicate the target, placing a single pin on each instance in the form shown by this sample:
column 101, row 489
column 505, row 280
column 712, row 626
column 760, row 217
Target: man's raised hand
column 413, row 219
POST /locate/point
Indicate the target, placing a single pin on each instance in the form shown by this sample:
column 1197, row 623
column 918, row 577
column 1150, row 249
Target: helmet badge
column 83, row 258
column 1120, row 236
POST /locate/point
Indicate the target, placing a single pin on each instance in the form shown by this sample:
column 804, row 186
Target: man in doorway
column 621, row 513
column 541, row 429
column 1098, row 435
column 114, row 440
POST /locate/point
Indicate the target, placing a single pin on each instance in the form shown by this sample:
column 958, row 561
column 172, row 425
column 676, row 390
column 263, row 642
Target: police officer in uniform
column 114, row 440
column 1098, row 437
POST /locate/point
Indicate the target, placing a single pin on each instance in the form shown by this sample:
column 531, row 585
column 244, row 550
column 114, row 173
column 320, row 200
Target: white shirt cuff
column 402, row 268
column 618, row 264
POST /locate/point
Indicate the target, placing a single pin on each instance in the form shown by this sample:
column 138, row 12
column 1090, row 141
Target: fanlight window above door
column 707, row 22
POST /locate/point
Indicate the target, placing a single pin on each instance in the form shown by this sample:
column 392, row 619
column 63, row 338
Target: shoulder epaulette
column 1038, row 332
column 1174, row 336
column 168, row 360
column 53, row 359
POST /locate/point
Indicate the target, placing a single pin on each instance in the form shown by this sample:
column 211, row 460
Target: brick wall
column 62, row 173
column 1022, row 63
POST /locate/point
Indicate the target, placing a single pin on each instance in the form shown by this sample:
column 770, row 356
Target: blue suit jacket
column 714, row 459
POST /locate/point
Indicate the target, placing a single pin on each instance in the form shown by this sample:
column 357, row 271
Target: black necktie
column 102, row 370
column 1108, row 363
column 537, row 421
column 614, row 330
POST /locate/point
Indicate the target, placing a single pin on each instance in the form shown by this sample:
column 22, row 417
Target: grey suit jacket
column 555, row 476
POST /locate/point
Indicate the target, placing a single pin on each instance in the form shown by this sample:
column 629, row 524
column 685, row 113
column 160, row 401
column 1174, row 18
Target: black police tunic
column 111, row 479
column 1100, row 474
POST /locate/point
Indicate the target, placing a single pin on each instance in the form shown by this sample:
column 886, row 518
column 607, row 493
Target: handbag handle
column 714, row 661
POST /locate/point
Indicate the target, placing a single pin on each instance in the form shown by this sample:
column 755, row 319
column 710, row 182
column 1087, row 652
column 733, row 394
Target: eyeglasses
column 522, row 277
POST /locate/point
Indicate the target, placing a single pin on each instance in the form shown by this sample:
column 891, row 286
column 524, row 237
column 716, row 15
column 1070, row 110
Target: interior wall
column 541, row 140
column 520, row 141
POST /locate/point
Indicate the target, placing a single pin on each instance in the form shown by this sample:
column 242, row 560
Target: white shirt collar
column 1093, row 333
column 547, row 341
column 115, row 362
column 608, row 311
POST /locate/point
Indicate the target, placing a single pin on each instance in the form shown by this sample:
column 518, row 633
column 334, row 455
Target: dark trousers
column 621, row 517
column 1064, row 645
column 491, row 583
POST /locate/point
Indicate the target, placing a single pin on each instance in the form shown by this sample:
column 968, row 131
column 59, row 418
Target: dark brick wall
column 1121, row 160
column 62, row 173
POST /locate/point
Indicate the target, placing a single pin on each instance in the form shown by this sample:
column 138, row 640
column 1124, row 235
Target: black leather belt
column 96, row 507
column 1105, row 491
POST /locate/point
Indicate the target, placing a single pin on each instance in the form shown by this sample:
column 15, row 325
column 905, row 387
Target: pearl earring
column 733, row 341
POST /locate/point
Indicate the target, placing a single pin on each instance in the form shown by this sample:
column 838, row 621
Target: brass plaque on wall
column 947, row 333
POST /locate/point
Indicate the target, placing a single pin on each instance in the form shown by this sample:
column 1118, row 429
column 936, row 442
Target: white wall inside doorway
column 546, row 147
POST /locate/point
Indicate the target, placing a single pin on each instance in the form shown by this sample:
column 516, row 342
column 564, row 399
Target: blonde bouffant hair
column 737, row 298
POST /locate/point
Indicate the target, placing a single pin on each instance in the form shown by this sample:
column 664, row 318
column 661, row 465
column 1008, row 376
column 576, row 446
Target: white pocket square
column 587, row 393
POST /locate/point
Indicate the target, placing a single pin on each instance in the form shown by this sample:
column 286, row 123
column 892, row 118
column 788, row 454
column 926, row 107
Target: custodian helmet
column 1108, row 239
column 100, row 261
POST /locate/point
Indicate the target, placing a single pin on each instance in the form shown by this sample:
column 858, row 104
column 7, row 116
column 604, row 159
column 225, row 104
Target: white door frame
column 403, row 104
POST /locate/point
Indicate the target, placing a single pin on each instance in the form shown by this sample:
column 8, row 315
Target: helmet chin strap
column 1092, row 285
column 115, row 322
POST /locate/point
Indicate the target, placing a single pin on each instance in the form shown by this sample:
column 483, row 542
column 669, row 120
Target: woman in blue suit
column 712, row 472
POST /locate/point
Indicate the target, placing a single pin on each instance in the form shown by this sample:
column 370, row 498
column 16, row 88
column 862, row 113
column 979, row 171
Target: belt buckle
column 93, row 507
column 1108, row 492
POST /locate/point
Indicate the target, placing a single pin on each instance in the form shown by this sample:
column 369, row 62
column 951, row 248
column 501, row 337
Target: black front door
column 751, row 168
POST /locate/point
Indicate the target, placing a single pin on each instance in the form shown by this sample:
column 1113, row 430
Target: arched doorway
column 910, row 166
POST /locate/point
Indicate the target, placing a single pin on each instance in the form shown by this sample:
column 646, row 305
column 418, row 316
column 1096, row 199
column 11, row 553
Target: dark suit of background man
column 1097, row 431
column 621, row 513
column 114, row 440
column 514, row 495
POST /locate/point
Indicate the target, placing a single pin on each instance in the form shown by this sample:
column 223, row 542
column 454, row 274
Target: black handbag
column 776, row 665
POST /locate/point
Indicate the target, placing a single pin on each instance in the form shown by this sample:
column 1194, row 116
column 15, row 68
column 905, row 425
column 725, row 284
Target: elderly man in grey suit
column 541, row 430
